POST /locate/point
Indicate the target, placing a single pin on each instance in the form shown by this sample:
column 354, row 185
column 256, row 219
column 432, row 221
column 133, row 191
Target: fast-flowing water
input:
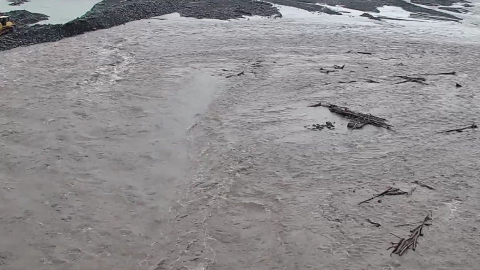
column 129, row 148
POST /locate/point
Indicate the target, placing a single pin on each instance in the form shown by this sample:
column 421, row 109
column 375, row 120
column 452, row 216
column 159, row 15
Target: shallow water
column 60, row 11
column 132, row 150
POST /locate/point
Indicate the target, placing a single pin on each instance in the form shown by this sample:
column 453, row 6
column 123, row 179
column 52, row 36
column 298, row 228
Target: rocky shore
column 23, row 18
column 109, row 13
column 16, row 2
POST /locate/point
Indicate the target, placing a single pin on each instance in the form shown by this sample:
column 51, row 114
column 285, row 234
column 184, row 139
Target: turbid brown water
column 123, row 149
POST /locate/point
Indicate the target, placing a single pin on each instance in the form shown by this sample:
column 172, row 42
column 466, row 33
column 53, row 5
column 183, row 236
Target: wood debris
column 472, row 126
column 391, row 191
column 441, row 73
column 376, row 224
column 404, row 244
column 419, row 80
column 358, row 120
column 318, row 127
column 239, row 74
column 423, row 185
column 326, row 71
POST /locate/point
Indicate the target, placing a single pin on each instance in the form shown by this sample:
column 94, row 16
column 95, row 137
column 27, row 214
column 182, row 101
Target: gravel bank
column 23, row 17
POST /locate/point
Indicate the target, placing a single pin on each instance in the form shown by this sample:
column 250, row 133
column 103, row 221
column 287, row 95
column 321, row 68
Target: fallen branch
column 389, row 192
column 376, row 224
column 408, row 224
column 423, row 185
column 239, row 74
column 338, row 67
column 441, row 73
column 326, row 71
column 412, row 79
column 473, row 126
column 402, row 246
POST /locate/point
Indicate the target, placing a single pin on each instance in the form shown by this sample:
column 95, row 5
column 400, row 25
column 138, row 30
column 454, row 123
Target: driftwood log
column 391, row 191
column 472, row 126
column 419, row 80
column 358, row 120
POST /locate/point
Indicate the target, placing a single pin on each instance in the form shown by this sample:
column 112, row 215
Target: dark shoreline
column 110, row 13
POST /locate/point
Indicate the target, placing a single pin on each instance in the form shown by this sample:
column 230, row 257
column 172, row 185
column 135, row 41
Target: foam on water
column 393, row 12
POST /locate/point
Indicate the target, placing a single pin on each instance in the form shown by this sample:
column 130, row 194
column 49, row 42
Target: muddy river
column 181, row 144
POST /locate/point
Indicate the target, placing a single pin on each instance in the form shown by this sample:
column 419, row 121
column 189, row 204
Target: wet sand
column 136, row 152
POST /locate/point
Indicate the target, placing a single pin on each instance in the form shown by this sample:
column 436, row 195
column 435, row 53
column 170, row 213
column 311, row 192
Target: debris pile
column 358, row 120
column 319, row 127
column 404, row 244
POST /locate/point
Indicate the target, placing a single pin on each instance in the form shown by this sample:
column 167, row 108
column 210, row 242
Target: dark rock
column 23, row 17
column 372, row 6
column 438, row 2
column 454, row 9
column 16, row 2
column 309, row 5
column 370, row 16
